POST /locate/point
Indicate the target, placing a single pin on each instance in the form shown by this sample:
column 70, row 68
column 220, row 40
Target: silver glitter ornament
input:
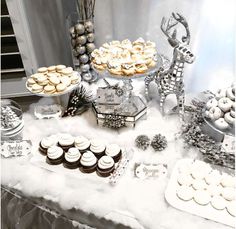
column 81, row 40
column 72, row 32
column 90, row 37
column 88, row 26
column 74, row 52
column 73, row 42
column 84, row 67
column 79, row 29
column 87, row 76
column 84, row 58
column 80, row 50
column 90, row 47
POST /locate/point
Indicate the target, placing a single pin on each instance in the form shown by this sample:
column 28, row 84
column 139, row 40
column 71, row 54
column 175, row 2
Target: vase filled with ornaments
column 81, row 35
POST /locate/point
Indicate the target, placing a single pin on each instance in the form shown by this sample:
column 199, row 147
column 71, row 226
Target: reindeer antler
column 166, row 26
column 179, row 18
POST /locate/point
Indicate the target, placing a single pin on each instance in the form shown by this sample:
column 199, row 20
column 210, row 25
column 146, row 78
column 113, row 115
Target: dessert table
column 32, row 195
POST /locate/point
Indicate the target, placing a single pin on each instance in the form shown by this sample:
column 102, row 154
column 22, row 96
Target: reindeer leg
column 180, row 100
column 162, row 103
column 148, row 79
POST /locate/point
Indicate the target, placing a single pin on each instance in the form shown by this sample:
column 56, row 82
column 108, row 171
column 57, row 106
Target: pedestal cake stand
column 57, row 108
column 132, row 107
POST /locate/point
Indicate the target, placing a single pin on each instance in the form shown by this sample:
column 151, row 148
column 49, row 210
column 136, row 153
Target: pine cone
column 159, row 142
column 142, row 142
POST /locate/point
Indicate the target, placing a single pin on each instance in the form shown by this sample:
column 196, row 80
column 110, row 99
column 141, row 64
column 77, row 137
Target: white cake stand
column 56, row 109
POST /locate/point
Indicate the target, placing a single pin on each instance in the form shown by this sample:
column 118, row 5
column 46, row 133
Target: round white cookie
column 218, row 202
column 199, row 184
column 213, row 178
column 184, row 179
column 231, row 208
column 202, row 197
column 227, row 180
column 228, row 193
column 185, row 193
column 214, row 190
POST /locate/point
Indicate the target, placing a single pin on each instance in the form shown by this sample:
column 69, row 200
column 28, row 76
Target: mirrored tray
column 230, row 131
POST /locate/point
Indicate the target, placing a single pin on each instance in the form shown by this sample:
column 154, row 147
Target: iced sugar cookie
column 228, row 193
column 214, row 190
column 185, row 193
column 202, row 197
column 218, row 202
column 213, row 178
column 184, row 179
column 199, row 184
column 231, row 208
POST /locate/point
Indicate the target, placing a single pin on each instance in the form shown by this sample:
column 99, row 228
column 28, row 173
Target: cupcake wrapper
column 88, row 169
column 42, row 150
column 98, row 155
column 105, row 172
column 71, row 165
column 117, row 157
column 55, row 161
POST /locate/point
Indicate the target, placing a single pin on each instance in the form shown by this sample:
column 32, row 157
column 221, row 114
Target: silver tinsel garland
column 159, row 142
column 142, row 142
column 193, row 136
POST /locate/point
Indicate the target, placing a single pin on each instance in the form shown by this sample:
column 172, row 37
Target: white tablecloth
column 132, row 202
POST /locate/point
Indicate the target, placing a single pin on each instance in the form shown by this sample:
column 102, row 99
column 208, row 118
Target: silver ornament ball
column 79, row 29
column 73, row 42
column 72, row 32
column 84, row 58
column 87, row 76
column 80, row 50
column 81, row 40
column 90, row 47
column 90, row 37
column 84, row 67
column 88, row 26
column 74, row 52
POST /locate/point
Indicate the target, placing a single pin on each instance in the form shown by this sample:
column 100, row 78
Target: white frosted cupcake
column 97, row 147
column 88, row 162
column 46, row 143
column 106, row 166
column 82, row 143
column 66, row 141
column 55, row 155
column 114, row 151
column 72, row 158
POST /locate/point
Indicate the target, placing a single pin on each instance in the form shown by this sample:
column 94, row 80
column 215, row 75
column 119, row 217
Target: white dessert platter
column 205, row 211
column 68, row 90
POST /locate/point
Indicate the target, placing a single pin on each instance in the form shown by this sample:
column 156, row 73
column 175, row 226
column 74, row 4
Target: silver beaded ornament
column 73, row 42
column 84, row 67
column 84, row 58
column 89, row 26
column 90, row 37
column 87, row 76
column 72, row 32
column 80, row 50
column 79, row 28
column 90, row 47
column 81, row 40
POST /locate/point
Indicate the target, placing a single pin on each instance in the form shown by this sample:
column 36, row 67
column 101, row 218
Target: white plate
column 69, row 89
column 207, row 212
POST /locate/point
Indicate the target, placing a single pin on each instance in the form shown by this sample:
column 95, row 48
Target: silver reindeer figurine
column 170, row 81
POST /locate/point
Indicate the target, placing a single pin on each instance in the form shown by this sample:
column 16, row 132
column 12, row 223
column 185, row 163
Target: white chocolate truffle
column 225, row 104
column 211, row 103
column 221, row 124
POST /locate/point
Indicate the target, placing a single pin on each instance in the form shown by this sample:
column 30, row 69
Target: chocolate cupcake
column 114, row 151
column 82, row 144
column 72, row 158
column 45, row 144
column 66, row 141
column 97, row 147
column 88, row 162
column 55, row 155
column 106, row 166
